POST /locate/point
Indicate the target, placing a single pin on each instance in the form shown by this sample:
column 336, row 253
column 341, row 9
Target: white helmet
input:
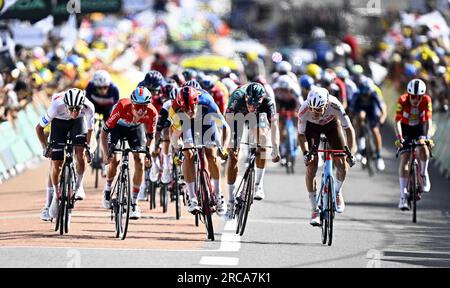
column 74, row 97
column 284, row 67
column 416, row 87
column 101, row 78
column 317, row 98
column 318, row 33
column 283, row 82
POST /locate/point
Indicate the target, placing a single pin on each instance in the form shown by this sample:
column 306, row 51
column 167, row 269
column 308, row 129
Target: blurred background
column 47, row 46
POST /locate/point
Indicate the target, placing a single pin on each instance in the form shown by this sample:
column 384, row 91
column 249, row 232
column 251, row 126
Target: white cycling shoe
column 315, row 218
column 193, row 206
column 80, row 194
column 380, row 164
column 135, row 212
column 54, row 207
column 229, row 215
column 107, row 199
column 340, row 203
column 259, row 194
column 220, row 208
column 45, row 215
column 403, row 204
column 165, row 177
column 426, row 183
column 142, row 196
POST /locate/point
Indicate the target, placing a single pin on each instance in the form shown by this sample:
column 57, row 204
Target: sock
column 338, row 186
column 231, row 196
column 424, row 167
column 191, row 190
column 260, row 176
column 55, row 190
column 50, row 191
column 135, row 194
column 108, row 185
column 313, row 200
column 79, row 181
column 403, row 186
column 378, row 154
column 217, row 189
column 166, row 162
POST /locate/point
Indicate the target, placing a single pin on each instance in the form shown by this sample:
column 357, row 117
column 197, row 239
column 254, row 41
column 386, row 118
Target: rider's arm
column 346, row 125
column 275, row 131
column 90, row 119
column 398, row 119
column 302, row 141
column 46, row 119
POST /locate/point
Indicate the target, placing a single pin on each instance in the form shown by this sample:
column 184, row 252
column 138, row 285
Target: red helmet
column 187, row 98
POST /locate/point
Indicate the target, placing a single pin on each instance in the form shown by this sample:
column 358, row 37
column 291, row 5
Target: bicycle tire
column 370, row 153
column 70, row 200
column 206, row 211
column 331, row 211
column 324, row 211
column 414, row 192
column 58, row 218
column 176, row 192
column 116, row 206
column 152, row 195
column 165, row 198
column 126, row 200
column 248, row 200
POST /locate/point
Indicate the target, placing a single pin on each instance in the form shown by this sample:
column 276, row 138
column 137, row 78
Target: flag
column 5, row 4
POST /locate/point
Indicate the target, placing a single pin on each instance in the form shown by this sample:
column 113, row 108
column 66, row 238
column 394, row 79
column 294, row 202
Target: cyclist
column 288, row 100
column 71, row 114
column 413, row 122
column 194, row 109
column 127, row 121
column 322, row 113
column 251, row 99
column 189, row 74
column 314, row 71
column 154, row 81
column 350, row 86
column 254, row 65
column 216, row 89
column 228, row 79
column 102, row 92
column 368, row 106
column 284, row 68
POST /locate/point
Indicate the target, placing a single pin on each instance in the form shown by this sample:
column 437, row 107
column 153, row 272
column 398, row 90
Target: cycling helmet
column 101, row 79
column 329, row 76
column 410, row 70
column 170, row 91
column 187, row 98
column 255, row 94
column 306, row 82
column 314, row 71
column 224, row 71
column 141, row 96
column 318, row 33
column 153, row 80
column 74, row 97
column 357, row 69
column 284, row 67
column 416, row 87
column 342, row 73
column 207, row 82
column 189, row 74
column 283, row 82
column 317, row 98
column 192, row 83
column 366, row 86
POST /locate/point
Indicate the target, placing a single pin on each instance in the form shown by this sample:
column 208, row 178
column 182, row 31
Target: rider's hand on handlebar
column 399, row 143
column 107, row 158
column 177, row 161
column 223, row 153
column 351, row 160
column 308, row 158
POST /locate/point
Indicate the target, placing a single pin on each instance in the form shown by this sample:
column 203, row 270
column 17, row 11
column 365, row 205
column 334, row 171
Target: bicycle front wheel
column 206, row 210
column 414, row 192
column 331, row 211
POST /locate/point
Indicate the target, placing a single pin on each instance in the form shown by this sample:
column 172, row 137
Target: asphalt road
column 371, row 233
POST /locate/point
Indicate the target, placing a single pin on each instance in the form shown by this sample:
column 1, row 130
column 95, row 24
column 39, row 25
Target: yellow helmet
column 252, row 56
column 314, row 71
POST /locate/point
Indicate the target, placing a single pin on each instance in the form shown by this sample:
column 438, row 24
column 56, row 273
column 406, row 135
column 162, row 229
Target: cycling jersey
column 410, row 115
column 163, row 120
column 111, row 98
column 122, row 115
column 58, row 110
column 208, row 106
column 220, row 94
column 333, row 110
column 237, row 104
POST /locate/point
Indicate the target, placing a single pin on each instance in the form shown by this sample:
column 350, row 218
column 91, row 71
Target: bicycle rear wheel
column 164, row 197
column 70, row 199
column 248, row 200
column 414, row 192
column 176, row 192
column 331, row 211
column 370, row 154
column 206, row 209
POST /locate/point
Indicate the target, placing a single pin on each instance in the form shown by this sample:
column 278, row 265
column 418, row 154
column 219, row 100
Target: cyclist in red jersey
column 413, row 122
column 127, row 121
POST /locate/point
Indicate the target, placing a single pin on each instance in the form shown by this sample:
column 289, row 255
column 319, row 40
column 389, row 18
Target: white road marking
column 219, row 261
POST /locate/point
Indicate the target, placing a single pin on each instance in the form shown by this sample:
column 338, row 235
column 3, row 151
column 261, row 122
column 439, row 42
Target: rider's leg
column 189, row 173
column 403, row 176
column 214, row 169
column 111, row 173
column 50, row 188
column 424, row 156
column 232, row 172
column 138, row 176
column 311, row 183
column 361, row 122
column 56, row 171
column 341, row 173
column 80, row 166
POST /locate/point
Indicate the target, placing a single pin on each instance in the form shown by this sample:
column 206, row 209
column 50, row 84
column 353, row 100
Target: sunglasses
column 415, row 97
column 74, row 109
column 103, row 88
column 154, row 91
column 317, row 110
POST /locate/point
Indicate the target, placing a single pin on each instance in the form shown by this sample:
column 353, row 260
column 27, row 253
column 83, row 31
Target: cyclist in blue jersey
column 102, row 92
